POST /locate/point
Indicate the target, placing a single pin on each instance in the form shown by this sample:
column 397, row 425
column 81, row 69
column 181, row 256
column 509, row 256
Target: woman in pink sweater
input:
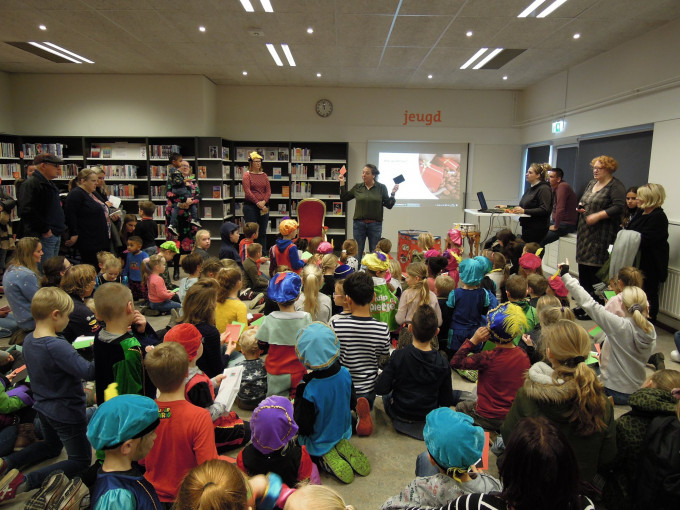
column 160, row 298
column 258, row 191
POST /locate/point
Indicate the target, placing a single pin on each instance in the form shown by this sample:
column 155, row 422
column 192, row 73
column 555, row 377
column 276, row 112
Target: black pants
column 587, row 276
column 534, row 234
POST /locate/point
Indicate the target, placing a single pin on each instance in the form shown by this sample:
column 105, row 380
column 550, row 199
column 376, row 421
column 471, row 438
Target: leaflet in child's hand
column 229, row 386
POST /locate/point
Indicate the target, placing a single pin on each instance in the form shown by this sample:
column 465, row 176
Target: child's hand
column 139, row 322
column 258, row 485
column 527, row 340
column 564, row 267
column 231, row 346
column 218, row 379
column 481, row 335
column 10, row 358
column 148, row 348
column 224, row 337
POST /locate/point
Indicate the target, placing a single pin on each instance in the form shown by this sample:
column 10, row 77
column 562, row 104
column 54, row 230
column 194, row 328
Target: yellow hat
column 376, row 261
column 288, row 226
column 254, row 155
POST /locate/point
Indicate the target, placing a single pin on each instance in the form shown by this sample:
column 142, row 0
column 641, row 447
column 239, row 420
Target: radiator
column 669, row 296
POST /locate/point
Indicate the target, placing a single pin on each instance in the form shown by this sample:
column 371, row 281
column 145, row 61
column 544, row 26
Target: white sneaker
column 675, row 356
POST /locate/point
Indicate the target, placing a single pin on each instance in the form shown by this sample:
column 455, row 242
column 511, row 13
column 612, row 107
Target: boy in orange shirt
column 250, row 232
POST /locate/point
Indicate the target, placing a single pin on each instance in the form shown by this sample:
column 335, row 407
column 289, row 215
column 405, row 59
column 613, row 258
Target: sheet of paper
column 115, row 201
column 343, row 170
column 83, row 341
column 229, row 386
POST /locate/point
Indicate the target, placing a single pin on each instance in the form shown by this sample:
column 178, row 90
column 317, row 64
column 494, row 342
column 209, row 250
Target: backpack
column 658, row 480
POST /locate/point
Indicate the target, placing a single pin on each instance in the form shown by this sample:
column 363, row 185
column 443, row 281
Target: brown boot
column 25, row 437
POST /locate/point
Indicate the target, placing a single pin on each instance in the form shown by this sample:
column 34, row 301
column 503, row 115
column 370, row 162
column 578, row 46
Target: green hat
column 170, row 245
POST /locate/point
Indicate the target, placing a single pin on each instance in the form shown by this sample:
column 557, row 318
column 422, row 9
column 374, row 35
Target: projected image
column 428, row 176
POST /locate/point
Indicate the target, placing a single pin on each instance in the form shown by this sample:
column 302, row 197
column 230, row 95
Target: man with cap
column 124, row 427
column 40, row 208
column 454, row 445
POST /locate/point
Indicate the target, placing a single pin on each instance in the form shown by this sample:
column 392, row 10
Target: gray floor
column 392, row 455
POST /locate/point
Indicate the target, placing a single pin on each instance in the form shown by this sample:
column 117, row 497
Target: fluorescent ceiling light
column 469, row 33
column 318, row 75
column 505, row 77
column 245, row 73
column 275, row 56
column 201, row 28
column 474, row 57
column 247, row 5
column 310, row 30
column 289, row 55
column 267, row 5
column 491, row 55
column 534, row 5
column 64, row 50
column 577, row 36
column 550, row 8
column 42, row 27
column 429, row 76
column 46, row 48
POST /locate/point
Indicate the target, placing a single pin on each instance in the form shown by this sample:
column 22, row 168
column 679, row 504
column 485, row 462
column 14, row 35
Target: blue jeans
column 554, row 235
column 676, row 339
column 8, row 325
column 362, row 231
column 8, row 436
column 620, row 399
column 165, row 306
column 72, row 436
column 423, row 465
column 50, row 246
column 251, row 214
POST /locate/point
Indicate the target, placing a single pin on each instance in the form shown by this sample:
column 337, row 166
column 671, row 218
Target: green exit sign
column 558, row 126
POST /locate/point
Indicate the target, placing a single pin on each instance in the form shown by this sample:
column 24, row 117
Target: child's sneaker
column 73, row 495
column 365, row 424
column 196, row 223
column 173, row 230
column 337, row 466
column 354, row 457
column 9, row 484
column 49, row 493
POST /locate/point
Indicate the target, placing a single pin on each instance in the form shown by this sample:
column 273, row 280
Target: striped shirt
column 362, row 341
column 493, row 502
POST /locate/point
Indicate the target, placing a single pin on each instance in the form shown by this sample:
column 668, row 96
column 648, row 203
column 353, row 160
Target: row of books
column 122, row 190
column 7, row 150
column 121, row 171
column 159, row 213
column 300, row 154
column 10, row 170
column 158, row 171
column 158, row 192
column 31, row 150
column 267, row 153
column 9, row 190
column 222, row 191
column 301, row 190
column 68, row 171
column 163, row 151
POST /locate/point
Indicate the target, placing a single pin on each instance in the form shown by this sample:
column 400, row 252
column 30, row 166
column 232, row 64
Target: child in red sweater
column 160, row 298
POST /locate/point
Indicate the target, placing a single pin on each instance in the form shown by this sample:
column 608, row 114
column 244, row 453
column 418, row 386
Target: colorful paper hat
column 272, row 424
column 324, row 248
column 188, row 336
column 471, row 272
column 452, row 439
column 316, row 346
column 284, row 287
column 288, row 227
column 376, row 261
column 530, row 261
column 487, row 265
column 342, row 271
column 455, row 236
column 506, row 322
column 557, row 285
column 121, row 418
column 170, row 246
column 254, row 155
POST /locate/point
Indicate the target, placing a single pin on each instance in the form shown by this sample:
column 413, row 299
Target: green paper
column 257, row 322
column 609, row 294
column 592, row 359
column 595, row 331
column 83, row 342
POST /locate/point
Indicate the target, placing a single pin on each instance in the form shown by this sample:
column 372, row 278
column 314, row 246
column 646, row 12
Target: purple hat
column 272, row 424
column 284, row 287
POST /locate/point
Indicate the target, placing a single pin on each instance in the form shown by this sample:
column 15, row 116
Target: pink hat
column 530, row 261
column 324, row 248
column 455, row 236
column 558, row 286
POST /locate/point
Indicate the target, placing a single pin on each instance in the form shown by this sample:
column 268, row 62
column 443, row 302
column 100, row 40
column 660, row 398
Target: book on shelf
column 213, row 152
column 299, row 171
column 122, row 190
column 337, row 208
column 31, row 150
column 293, row 208
column 283, row 154
column 298, row 154
column 225, row 152
column 239, row 171
column 106, row 151
column 285, row 191
column 158, row 172
column 241, row 153
column 163, row 151
column 335, row 174
column 9, row 170
column 207, row 212
column 226, row 210
column 320, row 172
column 239, row 192
column 217, row 191
column 283, row 209
column 276, row 172
column 95, row 151
column 157, row 192
column 202, row 172
column 226, row 172
column 159, row 213
column 226, row 192
column 7, row 150
column 120, row 171
column 238, row 209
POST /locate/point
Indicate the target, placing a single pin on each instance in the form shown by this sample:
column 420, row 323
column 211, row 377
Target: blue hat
column 272, row 424
column 452, row 439
column 506, row 322
column 487, row 265
column 284, row 287
column 342, row 271
column 471, row 271
column 316, row 346
column 121, row 418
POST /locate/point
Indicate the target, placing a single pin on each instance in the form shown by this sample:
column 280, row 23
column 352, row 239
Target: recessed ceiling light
column 247, row 5
column 550, row 8
column 577, row 36
column 534, row 5
column 274, row 54
column 474, row 57
column 469, row 33
column 310, row 30
column 505, row 77
column 289, row 55
column 201, row 28
column 491, row 55
column 429, row 76
column 245, row 73
column 318, row 75
column 42, row 27
column 267, row 5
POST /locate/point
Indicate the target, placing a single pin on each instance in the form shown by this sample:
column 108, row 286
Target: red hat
column 188, row 336
column 530, row 261
column 558, row 286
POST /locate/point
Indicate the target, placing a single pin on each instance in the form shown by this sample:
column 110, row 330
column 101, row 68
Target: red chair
column 311, row 214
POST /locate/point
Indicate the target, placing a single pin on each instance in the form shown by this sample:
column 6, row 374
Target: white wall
column 6, row 125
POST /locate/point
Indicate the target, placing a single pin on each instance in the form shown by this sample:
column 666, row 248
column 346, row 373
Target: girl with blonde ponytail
column 629, row 341
column 311, row 300
column 568, row 394
column 418, row 293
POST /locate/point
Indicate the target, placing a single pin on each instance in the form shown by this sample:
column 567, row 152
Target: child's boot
column 354, row 457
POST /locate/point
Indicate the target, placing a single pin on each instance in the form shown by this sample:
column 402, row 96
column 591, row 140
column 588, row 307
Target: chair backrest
column 311, row 214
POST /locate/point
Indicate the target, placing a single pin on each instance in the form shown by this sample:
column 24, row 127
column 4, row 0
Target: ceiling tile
column 418, row 30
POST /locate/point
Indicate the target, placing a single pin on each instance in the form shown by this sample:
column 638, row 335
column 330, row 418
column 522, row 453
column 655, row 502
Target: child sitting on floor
column 273, row 447
column 229, row 307
column 418, row 293
column 230, row 431
column 537, row 287
column 323, row 404
column 253, row 387
column 443, row 286
column 253, row 277
column 516, row 288
column 311, row 300
column 350, row 250
column 285, row 252
column 385, row 303
column 160, row 298
column 250, row 232
column 191, row 264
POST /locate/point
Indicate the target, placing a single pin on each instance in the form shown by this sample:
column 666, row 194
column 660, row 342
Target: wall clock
column 324, row 107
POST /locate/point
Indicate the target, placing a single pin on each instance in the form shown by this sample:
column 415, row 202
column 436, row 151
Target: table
column 493, row 217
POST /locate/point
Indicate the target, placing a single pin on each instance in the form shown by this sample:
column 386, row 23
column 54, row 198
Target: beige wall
column 6, row 125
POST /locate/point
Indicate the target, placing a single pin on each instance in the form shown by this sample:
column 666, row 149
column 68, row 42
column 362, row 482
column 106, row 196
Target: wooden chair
column 311, row 214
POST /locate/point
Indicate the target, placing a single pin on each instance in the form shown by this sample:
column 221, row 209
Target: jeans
column 165, row 306
column 554, row 235
column 424, row 467
column 620, row 399
column 72, row 436
column 372, row 231
column 193, row 214
column 251, row 214
column 50, row 246
column 676, row 339
column 8, row 436
column 7, row 325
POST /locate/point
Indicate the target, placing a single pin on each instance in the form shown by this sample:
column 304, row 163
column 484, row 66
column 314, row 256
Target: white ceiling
column 362, row 43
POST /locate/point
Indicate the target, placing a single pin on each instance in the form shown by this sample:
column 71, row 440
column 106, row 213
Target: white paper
column 229, row 386
column 115, row 201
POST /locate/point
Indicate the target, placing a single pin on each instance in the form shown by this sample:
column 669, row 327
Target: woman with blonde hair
column 569, row 394
column 20, row 280
column 311, row 300
column 536, row 203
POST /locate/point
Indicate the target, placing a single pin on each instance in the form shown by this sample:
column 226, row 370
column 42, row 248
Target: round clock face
column 324, row 107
